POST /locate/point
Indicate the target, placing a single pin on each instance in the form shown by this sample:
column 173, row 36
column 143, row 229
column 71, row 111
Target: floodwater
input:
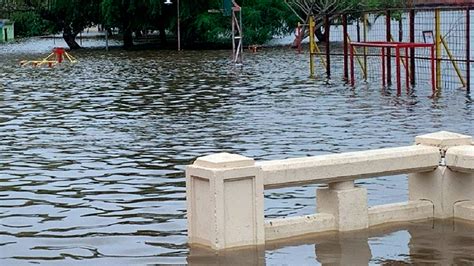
column 93, row 155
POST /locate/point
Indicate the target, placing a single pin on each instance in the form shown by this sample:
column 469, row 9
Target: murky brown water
column 92, row 156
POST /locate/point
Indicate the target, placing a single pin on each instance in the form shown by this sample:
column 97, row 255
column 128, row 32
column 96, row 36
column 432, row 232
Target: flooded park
column 93, row 154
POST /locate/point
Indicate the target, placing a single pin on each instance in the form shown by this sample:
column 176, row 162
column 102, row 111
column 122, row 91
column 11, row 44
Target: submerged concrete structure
column 225, row 191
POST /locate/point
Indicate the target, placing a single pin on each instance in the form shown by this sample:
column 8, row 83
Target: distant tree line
column 262, row 19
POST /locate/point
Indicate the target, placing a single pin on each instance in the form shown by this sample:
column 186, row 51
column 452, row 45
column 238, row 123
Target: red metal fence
column 450, row 28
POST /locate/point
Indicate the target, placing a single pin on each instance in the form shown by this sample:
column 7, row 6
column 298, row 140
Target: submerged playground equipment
column 225, row 192
column 445, row 26
column 57, row 56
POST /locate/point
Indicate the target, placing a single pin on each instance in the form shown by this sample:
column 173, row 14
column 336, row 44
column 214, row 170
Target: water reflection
column 427, row 242
column 92, row 157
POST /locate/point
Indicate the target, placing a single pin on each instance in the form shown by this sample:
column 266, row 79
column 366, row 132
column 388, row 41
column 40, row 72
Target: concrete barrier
column 225, row 191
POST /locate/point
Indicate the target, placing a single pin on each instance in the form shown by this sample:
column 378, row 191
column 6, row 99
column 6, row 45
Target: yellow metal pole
column 438, row 47
column 455, row 65
column 361, row 64
column 318, row 51
column 312, row 49
column 366, row 27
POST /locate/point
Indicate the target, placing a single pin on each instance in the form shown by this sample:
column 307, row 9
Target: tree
column 262, row 19
column 303, row 9
column 133, row 15
column 30, row 23
column 71, row 17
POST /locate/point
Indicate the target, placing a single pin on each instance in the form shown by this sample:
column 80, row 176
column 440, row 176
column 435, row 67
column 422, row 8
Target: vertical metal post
column 412, row 50
column 388, row 20
column 233, row 36
column 433, row 70
column 179, row 26
column 106, row 39
column 241, row 42
column 351, row 48
column 327, row 31
column 344, row 29
column 365, row 48
column 407, row 69
column 383, row 67
column 237, row 34
column 397, row 58
column 468, row 49
column 438, row 47
column 311, row 46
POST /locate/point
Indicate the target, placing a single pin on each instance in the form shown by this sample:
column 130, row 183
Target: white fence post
column 347, row 203
column 443, row 186
column 225, row 202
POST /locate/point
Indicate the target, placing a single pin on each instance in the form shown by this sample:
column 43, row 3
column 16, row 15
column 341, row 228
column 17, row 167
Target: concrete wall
column 225, row 191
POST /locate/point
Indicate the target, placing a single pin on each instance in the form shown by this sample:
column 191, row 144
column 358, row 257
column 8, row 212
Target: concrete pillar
column 347, row 203
column 345, row 249
column 224, row 202
column 441, row 243
column 242, row 256
column 443, row 186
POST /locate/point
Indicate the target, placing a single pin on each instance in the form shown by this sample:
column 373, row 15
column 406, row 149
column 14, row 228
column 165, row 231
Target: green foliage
column 383, row 4
column 131, row 14
column 212, row 28
column 29, row 24
column 73, row 15
column 263, row 19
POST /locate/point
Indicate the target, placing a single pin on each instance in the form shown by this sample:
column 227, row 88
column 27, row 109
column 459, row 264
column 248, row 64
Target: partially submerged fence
column 449, row 28
column 224, row 192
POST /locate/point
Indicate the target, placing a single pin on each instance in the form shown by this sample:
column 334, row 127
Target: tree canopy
column 262, row 19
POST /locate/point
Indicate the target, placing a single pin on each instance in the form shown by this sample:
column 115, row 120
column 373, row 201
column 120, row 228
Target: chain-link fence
column 451, row 30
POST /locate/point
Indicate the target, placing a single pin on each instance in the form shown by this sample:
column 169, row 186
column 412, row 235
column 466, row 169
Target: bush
column 29, row 24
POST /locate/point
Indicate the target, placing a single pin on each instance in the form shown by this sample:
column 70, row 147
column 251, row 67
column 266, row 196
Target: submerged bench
column 225, row 192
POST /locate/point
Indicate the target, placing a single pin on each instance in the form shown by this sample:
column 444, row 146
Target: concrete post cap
column 224, row 160
column 443, row 139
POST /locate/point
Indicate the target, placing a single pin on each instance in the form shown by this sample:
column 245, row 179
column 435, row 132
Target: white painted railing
column 225, row 191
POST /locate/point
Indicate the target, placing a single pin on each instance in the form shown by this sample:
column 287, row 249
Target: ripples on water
column 92, row 156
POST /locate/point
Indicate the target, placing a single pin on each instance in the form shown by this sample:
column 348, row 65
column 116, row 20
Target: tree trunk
column 320, row 35
column 70, row 38
column 127, row 39
column 161, row 28
column 163, row 40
